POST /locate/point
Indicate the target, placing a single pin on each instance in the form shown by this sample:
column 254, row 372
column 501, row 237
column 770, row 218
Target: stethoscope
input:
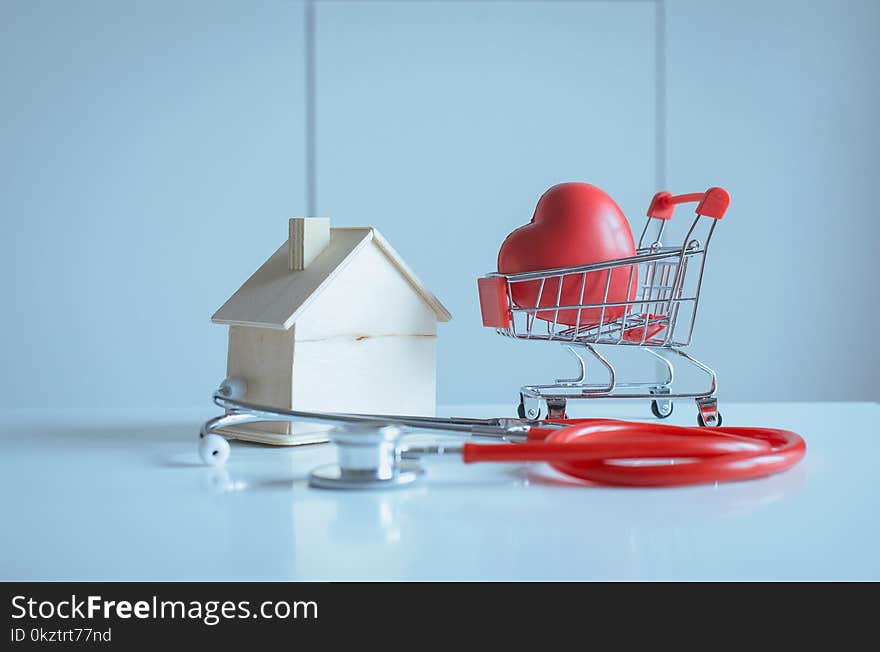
column 373, row 451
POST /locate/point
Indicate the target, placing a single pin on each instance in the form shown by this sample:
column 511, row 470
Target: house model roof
column 275, row 296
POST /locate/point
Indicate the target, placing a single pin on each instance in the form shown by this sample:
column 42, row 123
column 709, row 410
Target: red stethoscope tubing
column 603, row 451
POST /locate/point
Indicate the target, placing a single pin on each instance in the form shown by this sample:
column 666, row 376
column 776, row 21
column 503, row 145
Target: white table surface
column 110, row 495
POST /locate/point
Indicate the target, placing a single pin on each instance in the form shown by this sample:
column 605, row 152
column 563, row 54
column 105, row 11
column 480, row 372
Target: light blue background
column 150, row 153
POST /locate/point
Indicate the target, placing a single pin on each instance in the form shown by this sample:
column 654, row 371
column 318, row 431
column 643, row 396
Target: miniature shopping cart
column 649, row 302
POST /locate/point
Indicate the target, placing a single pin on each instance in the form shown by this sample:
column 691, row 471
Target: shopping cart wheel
column 662, row 409
column 714, row 424
column 535, row 409
column 556, row 409
column 533, row 413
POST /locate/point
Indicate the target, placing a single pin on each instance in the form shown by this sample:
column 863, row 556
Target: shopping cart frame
column 658, row 317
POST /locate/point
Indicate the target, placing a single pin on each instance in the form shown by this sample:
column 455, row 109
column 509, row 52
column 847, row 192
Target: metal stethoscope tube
column 372, row 451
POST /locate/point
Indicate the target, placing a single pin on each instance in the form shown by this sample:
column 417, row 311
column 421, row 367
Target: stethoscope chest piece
column 369, row 458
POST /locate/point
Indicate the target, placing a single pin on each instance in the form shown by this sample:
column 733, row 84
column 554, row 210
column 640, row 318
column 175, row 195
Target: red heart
column 573, row 224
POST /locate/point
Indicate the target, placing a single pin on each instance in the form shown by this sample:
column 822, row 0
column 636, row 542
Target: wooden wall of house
column 367, row 343
column 262, row 356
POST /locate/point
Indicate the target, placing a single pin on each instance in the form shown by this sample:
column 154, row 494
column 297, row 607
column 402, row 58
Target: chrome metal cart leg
column 660, row 407
column 707, row 403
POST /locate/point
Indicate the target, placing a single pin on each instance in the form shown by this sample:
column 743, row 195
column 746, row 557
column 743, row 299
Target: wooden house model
column 334, row 321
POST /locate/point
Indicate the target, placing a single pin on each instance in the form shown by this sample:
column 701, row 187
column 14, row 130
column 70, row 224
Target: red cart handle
column 712, row 203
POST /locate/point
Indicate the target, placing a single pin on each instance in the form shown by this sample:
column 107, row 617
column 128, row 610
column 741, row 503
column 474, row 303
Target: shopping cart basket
column 657, row 313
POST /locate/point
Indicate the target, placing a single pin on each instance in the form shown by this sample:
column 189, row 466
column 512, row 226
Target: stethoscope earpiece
column 213, row 449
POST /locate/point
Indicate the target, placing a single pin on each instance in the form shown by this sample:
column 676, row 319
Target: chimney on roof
column 308, row 236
